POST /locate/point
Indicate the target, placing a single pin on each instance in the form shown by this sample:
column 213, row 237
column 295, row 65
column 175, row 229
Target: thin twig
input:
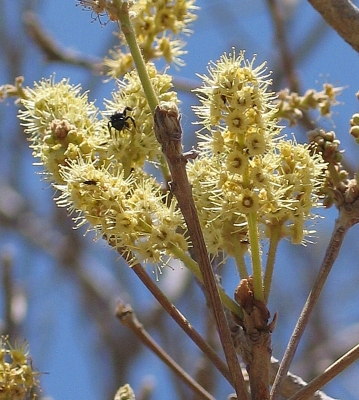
column 127, row 317
column 8, row 290
column 335, row 369
column 348, row 216
column 169, row 134
column 293, row 383
column 169, row 307
column 52, row 50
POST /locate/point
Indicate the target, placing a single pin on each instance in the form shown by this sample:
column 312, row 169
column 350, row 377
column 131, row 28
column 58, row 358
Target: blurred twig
column 181, row 321
column 52, row 50
column 286, row 57
column 293, row 383
column 127, row 317
column 348, row 216
column 331, row 372
column 8, row 288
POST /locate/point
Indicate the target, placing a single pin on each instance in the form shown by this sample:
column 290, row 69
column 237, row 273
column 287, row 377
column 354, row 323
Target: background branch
column 348, row 216
column 127, row 317
column 331, row 372
column 342, row 16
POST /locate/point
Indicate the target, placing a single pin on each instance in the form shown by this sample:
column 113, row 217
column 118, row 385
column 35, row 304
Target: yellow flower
column 130, row 212
column 61, row 123
column 17, row 377
column 159, row 26
column 244, row 164
column 132, row 147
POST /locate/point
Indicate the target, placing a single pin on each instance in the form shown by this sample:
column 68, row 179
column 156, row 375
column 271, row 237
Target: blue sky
column 54, row 314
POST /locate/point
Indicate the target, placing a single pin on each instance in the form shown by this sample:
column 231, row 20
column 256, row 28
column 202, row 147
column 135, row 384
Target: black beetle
column 119, row 120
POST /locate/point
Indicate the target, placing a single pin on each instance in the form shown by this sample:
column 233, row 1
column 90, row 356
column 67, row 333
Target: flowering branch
column 169, row 134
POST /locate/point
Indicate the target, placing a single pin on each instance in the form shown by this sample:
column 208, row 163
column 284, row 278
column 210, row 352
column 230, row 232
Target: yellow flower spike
column 254, row 178
column 130, row 212
column 133, row 146
column 158, row 27
column 62, row 125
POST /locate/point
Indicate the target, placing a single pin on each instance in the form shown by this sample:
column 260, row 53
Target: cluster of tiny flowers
column 61, row 124
column 18, row 379
column 158, row 25
column 99, row 172
column 354, row 126
column 291, row 106
column 136, row 144
column 245, row 166
column 131, row 213
column 125, row 393
column 337, row 178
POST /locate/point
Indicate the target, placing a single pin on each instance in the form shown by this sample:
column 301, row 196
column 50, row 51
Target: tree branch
column 348, row 216
column 342, row 16
column 335, row 369
column 128, row 318
column 169, row 134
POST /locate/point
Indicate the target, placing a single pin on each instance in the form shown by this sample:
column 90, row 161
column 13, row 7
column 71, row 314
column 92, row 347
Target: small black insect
column 90, row 182
column 119, row 120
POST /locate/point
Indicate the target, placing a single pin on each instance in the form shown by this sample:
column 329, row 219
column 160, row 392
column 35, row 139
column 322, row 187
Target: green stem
column 274, row 239
column 126, row 28
column 241, row 265
column 255, row 255
column 189, row 262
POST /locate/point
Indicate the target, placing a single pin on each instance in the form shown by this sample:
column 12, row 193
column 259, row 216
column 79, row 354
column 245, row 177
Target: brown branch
column 286, row 57
column 169, row 134
column 335, row 369
column 8, row 292
column 182, row 321
column 348, row 216
column 342, row 16
column 293, row 383
column 127, row 317
column 52, row 50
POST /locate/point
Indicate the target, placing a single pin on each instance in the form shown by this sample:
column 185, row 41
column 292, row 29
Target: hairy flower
column 159, row 26
column 61, row 124
column 133, row 146
column 245, row 166
column 17, row 377
column 131, row 213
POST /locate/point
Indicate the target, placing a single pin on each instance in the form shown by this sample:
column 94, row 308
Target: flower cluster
column 131, row 213
column 291, row 106
column 337, row 178
column 62, row 125
column 246, row 168
column 99, row 173
column 132, row 147
column 18, row 379
column 125, row 392
column 158, row 25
